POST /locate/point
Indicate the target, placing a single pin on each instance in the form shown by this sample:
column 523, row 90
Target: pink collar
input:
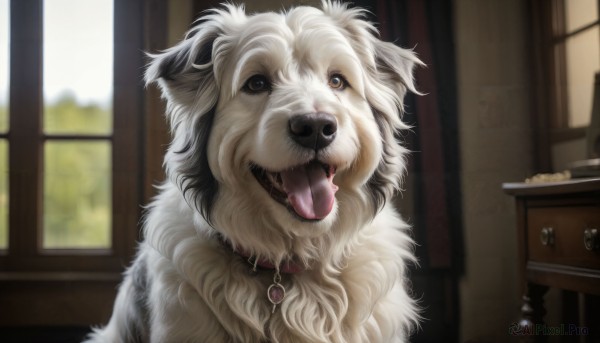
column 288, row 267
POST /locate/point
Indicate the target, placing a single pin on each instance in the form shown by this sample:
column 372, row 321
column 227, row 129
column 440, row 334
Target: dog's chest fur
column 213, row 295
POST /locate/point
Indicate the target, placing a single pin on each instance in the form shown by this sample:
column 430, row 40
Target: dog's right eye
column 257, row 84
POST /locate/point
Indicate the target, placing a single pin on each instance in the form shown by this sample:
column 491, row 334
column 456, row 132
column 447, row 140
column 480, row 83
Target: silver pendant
column 276, row 291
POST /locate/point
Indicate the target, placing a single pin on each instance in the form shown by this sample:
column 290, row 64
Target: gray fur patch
column 138, row 328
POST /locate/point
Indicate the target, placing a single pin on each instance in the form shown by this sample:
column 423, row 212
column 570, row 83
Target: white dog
column 274, row 224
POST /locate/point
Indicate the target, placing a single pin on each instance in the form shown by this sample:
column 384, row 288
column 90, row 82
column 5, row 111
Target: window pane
column 580, row 13
column 77, row 194
column 78, row 66
column 583, row 61
column 4, row 63
column 3, row 194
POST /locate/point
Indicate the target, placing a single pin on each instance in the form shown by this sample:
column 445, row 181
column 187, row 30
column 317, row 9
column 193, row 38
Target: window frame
column 559, row 39
column 64, row 279
column 548, row 64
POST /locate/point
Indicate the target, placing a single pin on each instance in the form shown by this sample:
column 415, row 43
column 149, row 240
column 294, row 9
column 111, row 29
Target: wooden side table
column 559, row 246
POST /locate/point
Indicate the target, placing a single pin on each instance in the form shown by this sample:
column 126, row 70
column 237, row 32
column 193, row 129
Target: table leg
column 533, row 312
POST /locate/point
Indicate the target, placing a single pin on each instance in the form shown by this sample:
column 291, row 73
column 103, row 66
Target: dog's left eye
column 257, row 84
column 338, row 82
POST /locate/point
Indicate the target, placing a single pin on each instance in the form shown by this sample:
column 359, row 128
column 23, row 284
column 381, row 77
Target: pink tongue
column 309, row 190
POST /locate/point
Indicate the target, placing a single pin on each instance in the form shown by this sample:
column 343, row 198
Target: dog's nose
column 314, row 130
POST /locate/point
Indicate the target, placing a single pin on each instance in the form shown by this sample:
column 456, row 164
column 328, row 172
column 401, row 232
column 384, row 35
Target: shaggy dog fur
column 284, row 157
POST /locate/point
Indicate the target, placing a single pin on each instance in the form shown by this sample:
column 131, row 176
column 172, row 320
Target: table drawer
column 559, row 235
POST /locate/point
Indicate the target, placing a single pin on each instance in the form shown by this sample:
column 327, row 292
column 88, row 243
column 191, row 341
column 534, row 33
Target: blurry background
column 508, row 87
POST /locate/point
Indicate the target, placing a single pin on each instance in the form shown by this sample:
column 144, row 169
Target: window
column 77, row 124
column 577, row 49
column 565, row 59
column 71, row 101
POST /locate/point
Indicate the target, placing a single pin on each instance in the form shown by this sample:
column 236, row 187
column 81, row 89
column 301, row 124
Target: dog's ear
column 190, row 55
column 393, row 76
column 187, row 78
column 395, row 66
column 186, row 69
column 195, row 54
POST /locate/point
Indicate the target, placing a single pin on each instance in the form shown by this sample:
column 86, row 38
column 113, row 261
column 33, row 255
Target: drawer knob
column 591, row 240
column 547, row 236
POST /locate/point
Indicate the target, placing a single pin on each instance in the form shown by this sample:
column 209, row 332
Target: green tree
column 77, row 177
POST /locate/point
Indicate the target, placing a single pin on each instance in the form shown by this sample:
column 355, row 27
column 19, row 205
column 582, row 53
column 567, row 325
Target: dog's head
column 284, row 122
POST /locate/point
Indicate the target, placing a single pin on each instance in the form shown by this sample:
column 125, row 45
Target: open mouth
column 307, row 190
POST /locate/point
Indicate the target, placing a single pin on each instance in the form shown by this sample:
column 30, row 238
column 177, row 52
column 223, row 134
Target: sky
column 78, row 50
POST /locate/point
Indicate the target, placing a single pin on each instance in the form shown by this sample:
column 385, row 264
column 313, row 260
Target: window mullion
column 561, row 119
column 127, row 107
column 25, row 120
